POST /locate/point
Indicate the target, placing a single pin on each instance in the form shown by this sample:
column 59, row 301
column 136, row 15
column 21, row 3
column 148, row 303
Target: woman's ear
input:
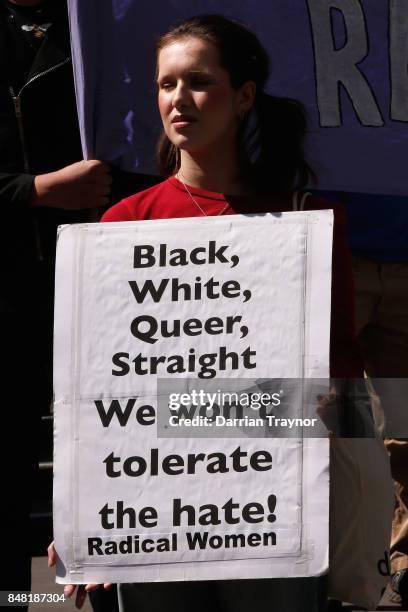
column 246, row 97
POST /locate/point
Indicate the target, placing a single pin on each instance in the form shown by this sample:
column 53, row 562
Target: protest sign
column 344, row 59
column 185, row 303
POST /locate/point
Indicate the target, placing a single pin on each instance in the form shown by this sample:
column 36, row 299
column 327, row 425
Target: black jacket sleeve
column 16, row 189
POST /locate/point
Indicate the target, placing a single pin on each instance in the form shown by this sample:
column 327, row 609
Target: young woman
column 228, row 148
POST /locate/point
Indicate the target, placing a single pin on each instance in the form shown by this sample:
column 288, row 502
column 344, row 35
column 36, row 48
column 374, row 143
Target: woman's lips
column 182, row 121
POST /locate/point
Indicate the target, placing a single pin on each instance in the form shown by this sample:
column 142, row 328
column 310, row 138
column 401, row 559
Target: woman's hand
column 69, row 589
column 327, row 410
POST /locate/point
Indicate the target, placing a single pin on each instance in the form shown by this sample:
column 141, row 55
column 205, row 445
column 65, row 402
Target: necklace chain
column 178, row 176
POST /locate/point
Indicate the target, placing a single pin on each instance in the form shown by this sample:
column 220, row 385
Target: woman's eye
column 165, row 86
column 200, row 83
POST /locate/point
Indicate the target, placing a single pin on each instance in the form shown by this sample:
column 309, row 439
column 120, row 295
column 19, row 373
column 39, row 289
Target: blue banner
column 346, row 60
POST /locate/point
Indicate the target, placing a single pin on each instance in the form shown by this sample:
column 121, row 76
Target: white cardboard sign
column 194, row 301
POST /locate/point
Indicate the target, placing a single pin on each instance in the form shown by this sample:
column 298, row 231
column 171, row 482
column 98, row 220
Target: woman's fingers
column 69, row 589
column 327, row 411
column 92, row 586
column 52, row 555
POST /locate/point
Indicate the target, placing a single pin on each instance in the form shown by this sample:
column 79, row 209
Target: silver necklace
column 178, row 176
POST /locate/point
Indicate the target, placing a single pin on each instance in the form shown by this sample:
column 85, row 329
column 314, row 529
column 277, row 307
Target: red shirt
column 170, row 199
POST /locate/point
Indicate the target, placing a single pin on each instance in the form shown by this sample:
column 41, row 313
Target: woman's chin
column 181, row 138
column 187, row 145
column 195, row 146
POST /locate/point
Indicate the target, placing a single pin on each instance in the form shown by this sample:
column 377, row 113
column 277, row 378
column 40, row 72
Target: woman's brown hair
column 271, row 136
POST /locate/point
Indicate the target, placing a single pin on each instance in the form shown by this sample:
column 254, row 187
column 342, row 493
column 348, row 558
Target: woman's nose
column 180, row 97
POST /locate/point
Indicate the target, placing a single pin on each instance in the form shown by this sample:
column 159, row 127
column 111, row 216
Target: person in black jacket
column 44, row 182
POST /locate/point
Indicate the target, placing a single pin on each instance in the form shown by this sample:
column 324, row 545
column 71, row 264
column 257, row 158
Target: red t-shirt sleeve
column 119, row 212
column 345, row 354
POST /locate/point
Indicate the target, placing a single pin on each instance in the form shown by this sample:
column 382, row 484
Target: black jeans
column 273, row 595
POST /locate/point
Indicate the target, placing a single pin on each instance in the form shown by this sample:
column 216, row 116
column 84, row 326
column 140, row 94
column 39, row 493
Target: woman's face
column 199, row 108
